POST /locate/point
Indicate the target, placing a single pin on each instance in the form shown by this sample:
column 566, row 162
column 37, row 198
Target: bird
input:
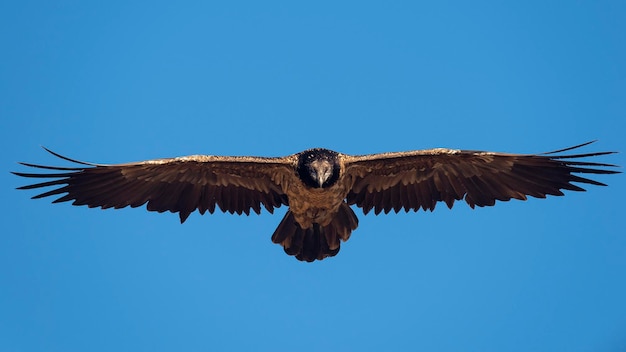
column 319, row 186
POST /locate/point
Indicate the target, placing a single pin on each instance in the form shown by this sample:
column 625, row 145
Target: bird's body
column 315, row 205
column 318, row 196
column 319, row 186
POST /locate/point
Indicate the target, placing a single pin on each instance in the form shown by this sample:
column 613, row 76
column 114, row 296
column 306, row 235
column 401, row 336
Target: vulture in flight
column 318, row 185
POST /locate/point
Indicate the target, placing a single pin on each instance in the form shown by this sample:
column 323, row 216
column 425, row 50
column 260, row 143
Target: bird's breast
column 315, row 205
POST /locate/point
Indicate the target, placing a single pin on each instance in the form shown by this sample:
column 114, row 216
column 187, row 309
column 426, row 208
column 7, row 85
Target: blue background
column 114, row 82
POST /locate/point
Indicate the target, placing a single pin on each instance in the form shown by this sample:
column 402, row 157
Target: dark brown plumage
column 319, row 186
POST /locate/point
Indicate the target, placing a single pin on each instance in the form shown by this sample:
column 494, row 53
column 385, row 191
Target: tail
column 317, row 242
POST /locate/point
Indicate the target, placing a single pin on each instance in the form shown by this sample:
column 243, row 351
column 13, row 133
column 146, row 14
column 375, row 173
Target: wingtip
column 68, row 159
column 550, row 154
column 53, row 153
column 49, row 151
column 571, row 148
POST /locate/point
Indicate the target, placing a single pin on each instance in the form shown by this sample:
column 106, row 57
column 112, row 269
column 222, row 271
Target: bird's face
column 321, row 170
column 318, row 168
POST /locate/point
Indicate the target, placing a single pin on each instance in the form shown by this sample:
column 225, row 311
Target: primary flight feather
column 319, row 186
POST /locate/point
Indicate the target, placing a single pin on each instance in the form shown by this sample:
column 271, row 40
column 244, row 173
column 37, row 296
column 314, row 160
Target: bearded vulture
column 319, row 186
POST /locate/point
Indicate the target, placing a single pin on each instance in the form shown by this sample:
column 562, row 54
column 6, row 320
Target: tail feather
column 316, row 242
column 345, row 221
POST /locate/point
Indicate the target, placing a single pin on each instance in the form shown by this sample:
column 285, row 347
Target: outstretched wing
column 420, row 179
column 184, row 184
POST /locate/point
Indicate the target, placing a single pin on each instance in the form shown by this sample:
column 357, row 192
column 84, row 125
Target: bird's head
column 318, row 168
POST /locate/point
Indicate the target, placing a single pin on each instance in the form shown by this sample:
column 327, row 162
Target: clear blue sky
column 121, row 81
